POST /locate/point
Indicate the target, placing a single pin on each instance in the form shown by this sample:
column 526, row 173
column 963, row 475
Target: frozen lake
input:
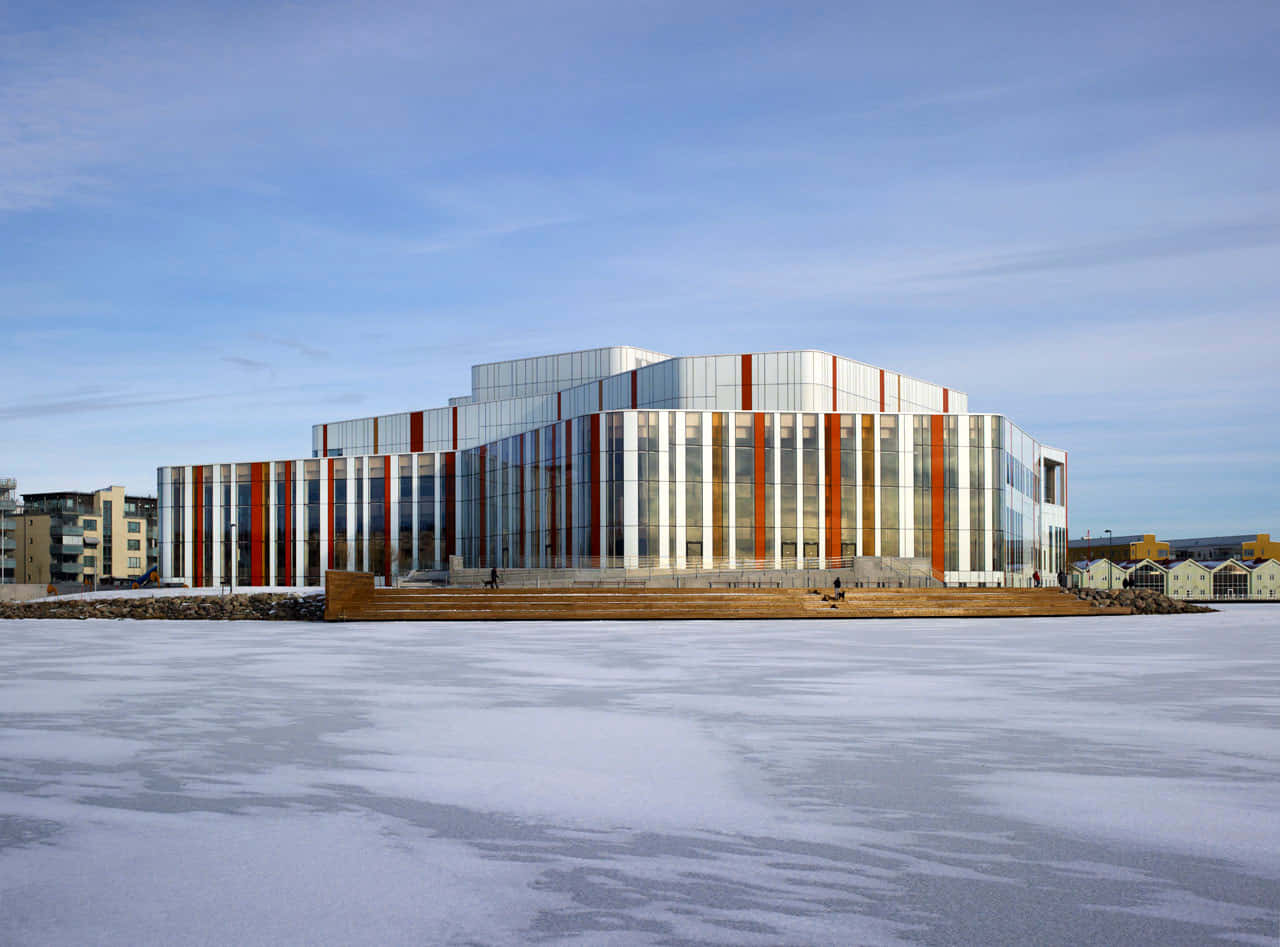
column 1054, row 781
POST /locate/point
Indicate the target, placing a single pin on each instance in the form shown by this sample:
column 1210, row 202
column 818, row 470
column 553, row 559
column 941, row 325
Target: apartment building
column 101, row 538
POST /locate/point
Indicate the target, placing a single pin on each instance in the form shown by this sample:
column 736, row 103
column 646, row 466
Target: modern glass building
column 622, row 458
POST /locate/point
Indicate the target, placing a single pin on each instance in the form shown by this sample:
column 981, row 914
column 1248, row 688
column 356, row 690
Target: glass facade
column 961, row 495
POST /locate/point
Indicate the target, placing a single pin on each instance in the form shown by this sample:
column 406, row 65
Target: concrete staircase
column 347, row 601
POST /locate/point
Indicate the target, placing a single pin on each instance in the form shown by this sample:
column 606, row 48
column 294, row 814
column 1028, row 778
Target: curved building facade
column 625, row 458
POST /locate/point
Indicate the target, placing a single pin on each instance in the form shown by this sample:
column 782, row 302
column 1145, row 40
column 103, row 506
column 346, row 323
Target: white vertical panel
column 438, row 500
column 906, row 477
column 799, row 490
column 271, row 523
column 413, row 473
column 300, row 519
column 353, row 467
column 776, row 473
column 708, row 544
column 990, row 507
column 962, row 473
column 681, row 522
column 165, row 526
column 731, row 506
column 664, row 490
column 216, row 538
column 875, row 459
column 822, row 485
column 392, row 515
column 857, row 485
column 189, row 538
column 630, row 495
column 325, row 492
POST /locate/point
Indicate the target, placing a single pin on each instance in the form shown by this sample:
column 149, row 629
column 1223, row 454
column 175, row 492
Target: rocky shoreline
column 1141, row 601
column 261, row 607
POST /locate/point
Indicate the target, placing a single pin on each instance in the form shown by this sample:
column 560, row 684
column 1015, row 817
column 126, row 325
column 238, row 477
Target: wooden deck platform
column 351, row 596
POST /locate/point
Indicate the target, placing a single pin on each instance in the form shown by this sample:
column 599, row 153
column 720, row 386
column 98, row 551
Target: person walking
column 1035, row 577
column 493, row 577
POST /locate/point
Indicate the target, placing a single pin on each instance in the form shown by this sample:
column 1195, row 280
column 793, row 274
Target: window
column 90, row 524
column 135, row 545
column 135, row 562
column 135, row 526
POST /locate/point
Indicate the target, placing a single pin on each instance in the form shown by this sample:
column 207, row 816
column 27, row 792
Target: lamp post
column 1108, row 532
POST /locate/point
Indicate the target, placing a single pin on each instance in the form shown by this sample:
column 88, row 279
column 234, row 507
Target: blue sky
column 221, row 223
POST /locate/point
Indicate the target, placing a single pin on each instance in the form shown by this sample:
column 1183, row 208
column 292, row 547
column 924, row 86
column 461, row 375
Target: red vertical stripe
column 197, row 552
column 375, row 435
column 600, row 395
column 454, row 424
column 634, row 386
column 758, row 438
column 568, row 493
column 835, row 548
column 324, row 449
column 834, row 389
column 386, row 515
column 593, row 464
column 937, row 484
column 450, row 505
column 882, row 390
column 256, row 509
column 946, row 400
column 330, row 495
column 746, row 383
column 558, row 414
column 415, row 432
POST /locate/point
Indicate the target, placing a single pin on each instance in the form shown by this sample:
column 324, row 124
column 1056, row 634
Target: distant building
column 103, row 537
column 8, row 528
column 1246, row 546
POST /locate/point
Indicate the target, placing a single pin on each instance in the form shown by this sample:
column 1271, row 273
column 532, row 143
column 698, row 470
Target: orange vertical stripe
column 758, row 437
column 833, row 384
column 375, row 435
column 882, row 389
column 746, row 383
column 946, row 400
column 937, row 484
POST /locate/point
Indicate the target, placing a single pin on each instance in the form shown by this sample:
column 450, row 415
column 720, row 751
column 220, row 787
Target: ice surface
column 1062, row 781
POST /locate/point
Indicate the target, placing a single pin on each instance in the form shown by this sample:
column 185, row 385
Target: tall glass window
column 377, row 517
column 889, row 540
column 693, row 486
column 789, row 487
column 427, row 512
column 744, row 489
column 339, row 537
column 849, row 526
column 809, row 471
column 313, row 566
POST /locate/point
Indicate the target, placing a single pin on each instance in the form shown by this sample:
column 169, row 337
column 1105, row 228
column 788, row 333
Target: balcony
column 66, row 549
column 59, row 530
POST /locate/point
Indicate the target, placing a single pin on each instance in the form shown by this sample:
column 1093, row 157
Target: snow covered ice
column 1056, row 781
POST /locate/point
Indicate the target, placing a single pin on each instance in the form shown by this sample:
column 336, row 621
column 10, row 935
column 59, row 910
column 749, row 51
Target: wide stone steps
column 628, row 604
